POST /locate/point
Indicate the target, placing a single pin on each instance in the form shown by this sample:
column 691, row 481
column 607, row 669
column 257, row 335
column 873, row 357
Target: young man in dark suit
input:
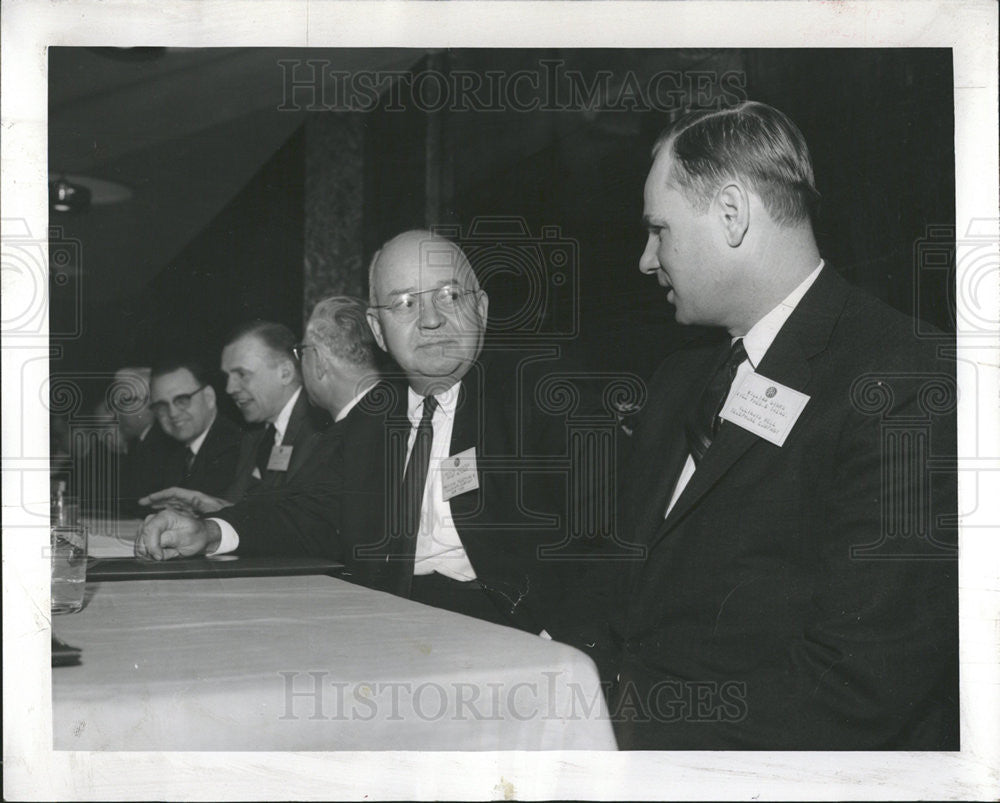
column 792, row 487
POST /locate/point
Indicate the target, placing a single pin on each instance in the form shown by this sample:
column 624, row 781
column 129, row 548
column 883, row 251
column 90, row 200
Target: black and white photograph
column 500, row 400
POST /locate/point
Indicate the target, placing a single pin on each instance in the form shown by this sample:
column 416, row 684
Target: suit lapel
column 207, row 450
column 661, row 453
column 301, row 447
column 295, row 420
column 804, row 334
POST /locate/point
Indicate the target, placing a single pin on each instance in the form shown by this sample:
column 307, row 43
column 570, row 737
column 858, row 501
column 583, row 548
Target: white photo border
column 33, row 770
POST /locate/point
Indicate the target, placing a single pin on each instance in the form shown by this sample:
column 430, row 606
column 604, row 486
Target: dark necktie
column 189, row 458
column 703, row 421
column 415, row 477
column 264, row 449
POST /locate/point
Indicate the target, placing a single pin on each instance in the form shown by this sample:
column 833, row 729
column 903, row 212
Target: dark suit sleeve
column 876, row 661
column 301, row 518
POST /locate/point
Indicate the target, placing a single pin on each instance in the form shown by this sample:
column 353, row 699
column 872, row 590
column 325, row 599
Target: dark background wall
column 548, row 203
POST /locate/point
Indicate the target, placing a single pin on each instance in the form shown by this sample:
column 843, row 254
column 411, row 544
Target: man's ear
column 320, row 366
column 483, row 306
column 376, row 326
column 286, row 372
column 733, row 203
column 209, row 396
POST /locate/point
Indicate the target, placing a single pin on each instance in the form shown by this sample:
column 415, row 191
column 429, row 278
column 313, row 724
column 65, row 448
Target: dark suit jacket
column 801, row 597
column 304, row 425
column 341, row 504
column 215, row 463
column 149, row 465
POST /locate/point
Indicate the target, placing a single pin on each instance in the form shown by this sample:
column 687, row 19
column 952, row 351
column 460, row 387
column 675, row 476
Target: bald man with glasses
column 451, row 485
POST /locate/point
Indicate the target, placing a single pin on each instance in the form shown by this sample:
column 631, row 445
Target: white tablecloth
column 311, row 663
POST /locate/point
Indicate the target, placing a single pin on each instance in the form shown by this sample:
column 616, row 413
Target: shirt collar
column 447, row 402
column 350, row 405
column 281, row 421
column 195, row 445
column 762, row 334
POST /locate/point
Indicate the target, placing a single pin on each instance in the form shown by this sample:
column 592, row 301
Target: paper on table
column 112, row 538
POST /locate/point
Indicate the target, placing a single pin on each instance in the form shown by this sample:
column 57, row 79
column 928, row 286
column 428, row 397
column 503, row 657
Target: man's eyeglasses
column 181, row 401
column 299, row 349
column 446, row 298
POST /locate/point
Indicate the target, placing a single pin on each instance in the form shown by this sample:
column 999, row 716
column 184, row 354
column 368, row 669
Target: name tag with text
column 764, row 407
column 459, row 474
column 281, row 456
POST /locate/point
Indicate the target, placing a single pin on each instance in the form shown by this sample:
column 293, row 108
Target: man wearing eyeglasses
column 451, row 517
column 264, row 381
column 337, row 488
column 461, row 531
column 184, row 403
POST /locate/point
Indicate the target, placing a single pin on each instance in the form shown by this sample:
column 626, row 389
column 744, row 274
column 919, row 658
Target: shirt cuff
column 230, row 538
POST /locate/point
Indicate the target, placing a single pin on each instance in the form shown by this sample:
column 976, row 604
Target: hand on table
column 172, row 534
column 186, row 500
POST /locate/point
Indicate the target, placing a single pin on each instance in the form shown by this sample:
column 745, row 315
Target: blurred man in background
column 146, row 449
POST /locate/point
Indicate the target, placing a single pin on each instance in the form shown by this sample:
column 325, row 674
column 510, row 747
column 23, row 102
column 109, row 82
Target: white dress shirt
column 439, row 549
column 195, row 445
column 756, row 342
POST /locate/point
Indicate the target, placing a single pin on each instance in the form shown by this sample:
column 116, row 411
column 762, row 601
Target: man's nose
column 231, row 385
column 649, row 262
column 429, row 317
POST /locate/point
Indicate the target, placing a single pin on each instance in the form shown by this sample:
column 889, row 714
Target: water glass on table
column 68, row 550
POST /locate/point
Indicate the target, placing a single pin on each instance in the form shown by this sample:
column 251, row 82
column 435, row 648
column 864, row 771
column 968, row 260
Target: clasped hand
column 173, row 534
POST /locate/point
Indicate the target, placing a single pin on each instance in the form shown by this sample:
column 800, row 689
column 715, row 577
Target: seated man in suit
column 798, row 589
column 146, row 448
column 428, row 499
column 184, row 402
column 341, row 376
column 264, row 381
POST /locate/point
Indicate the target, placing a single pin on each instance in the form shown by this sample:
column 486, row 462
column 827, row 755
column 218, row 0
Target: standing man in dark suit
column 264, row 381
column 792, row 486
column 184, row 402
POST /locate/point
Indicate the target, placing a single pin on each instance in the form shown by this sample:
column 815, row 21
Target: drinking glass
column 68, row 549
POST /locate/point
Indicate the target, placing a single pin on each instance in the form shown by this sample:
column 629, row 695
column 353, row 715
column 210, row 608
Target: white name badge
column 280, row 458
column 458, row 474
column 765, row 407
